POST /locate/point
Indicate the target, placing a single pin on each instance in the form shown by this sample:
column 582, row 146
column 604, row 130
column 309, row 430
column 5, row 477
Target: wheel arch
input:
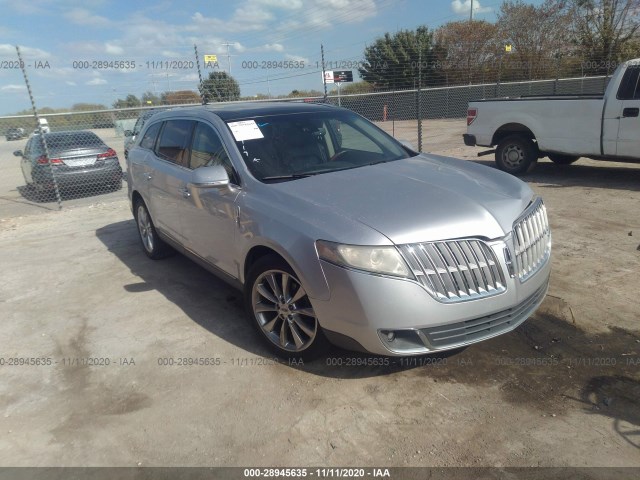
column 513, row 128
column 308, row 271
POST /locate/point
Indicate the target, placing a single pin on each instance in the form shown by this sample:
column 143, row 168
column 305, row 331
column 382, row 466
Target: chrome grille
column 532, row 240
column 455, row 270
column 477, row 329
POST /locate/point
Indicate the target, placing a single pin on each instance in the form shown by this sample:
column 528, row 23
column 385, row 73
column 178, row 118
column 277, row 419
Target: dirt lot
column 562, row 390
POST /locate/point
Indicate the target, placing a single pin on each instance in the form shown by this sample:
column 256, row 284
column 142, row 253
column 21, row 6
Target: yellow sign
column 210, row 58
column 507, row 48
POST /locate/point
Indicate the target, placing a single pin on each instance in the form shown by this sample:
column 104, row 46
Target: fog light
column 391, row 336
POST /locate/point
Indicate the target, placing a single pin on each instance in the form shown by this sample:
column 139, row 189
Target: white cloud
column 191, row 77
column 8, row 50
column 272, row 47
column 297, row 58
column 112, row 49
column 70, row 83
column 322, row 14
column 463, row 7
column 96, row 81
column 13, row 88
column 82, row 16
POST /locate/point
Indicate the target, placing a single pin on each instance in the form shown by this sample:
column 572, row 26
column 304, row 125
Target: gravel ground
column 561, row 390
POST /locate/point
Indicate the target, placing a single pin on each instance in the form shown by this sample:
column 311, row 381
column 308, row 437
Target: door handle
column 630, row 112
column 185, row 193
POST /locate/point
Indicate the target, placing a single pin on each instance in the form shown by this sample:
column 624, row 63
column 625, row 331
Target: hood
column 418, row 199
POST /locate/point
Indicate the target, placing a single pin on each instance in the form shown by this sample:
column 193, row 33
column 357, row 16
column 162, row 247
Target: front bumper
column 363, row 309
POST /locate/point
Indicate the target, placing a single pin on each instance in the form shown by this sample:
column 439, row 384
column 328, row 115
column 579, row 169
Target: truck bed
column 543, row 97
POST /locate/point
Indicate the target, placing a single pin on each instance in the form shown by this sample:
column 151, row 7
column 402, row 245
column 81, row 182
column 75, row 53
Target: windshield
column 289, row 146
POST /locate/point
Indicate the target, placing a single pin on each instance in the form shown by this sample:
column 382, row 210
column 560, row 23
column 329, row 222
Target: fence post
column 39, row 126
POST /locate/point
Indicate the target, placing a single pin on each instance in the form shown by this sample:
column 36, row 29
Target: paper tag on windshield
column 245, row 130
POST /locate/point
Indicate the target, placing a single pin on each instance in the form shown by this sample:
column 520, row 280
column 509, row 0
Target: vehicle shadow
column 218, row 307
column 548, row 363
column 609, row 175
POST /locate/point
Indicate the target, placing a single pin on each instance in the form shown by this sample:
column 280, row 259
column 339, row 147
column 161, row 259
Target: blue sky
column 53, row 34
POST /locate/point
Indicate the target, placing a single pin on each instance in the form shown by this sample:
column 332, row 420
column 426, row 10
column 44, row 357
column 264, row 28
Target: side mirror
column 128, row 133
column 214, row 176
column 18, row 153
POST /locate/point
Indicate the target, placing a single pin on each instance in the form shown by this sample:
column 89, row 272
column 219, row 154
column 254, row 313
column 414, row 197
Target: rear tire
column 154, row 247
column 280, row 309
column 516, row 154
column 560, row 159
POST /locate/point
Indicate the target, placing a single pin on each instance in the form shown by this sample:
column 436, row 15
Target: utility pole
column 471, row 12
column 227, row 44
column 324, row 80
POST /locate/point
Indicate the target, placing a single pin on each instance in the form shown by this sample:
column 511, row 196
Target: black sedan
column 77, row 159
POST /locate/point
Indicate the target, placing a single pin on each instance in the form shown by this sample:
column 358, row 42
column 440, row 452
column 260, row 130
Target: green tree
column 129, row 102
column 356, row 87
column 397, row 61
column 220, row 87
column 149, row 98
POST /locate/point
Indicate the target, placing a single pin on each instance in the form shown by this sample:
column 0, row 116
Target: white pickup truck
column 564, row 128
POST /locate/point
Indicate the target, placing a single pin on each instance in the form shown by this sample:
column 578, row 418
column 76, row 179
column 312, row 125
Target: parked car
column 130, row 135
column 564, row 127
column 77, row 159
column 15, row 134
column 352, row 238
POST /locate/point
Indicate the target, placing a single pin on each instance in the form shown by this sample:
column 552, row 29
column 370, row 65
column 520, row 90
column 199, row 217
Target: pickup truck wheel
column 560, row 159
column 516, row 154
column 281, row 310
column 152, row 244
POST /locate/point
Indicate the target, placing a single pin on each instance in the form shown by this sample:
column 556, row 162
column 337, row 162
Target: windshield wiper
column 291, row 176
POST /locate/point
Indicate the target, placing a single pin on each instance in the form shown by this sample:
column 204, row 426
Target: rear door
column 169, row 176
column 209, row 214
column 629, row 128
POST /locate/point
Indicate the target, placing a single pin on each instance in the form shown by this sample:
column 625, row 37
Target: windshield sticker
column 245, row 130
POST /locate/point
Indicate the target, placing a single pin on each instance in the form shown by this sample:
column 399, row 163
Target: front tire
column 154, row 247
column 280, row 309
column 560, row 159
column 516, row 154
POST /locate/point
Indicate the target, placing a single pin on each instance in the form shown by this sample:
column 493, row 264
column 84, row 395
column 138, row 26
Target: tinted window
column 351, row 139
column 207, row 149
column 311, row 144
column 630, row 86
column 148, row 141
column 175, row 140
column 70, row 140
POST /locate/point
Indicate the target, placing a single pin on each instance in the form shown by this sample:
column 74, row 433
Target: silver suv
column 336, row 231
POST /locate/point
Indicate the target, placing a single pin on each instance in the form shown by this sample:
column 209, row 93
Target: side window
column 207, row 150
column 630, row 85
column 148, row 141
column 27, row 148
column 175, row 140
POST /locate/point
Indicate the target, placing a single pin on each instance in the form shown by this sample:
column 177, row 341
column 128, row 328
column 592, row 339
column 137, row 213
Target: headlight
column 384, row 260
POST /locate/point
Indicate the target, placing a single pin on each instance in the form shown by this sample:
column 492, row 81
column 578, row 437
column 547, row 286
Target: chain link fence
column 78, row 157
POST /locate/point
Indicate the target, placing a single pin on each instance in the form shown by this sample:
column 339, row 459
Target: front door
column 209, row 214
column 629, row 114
